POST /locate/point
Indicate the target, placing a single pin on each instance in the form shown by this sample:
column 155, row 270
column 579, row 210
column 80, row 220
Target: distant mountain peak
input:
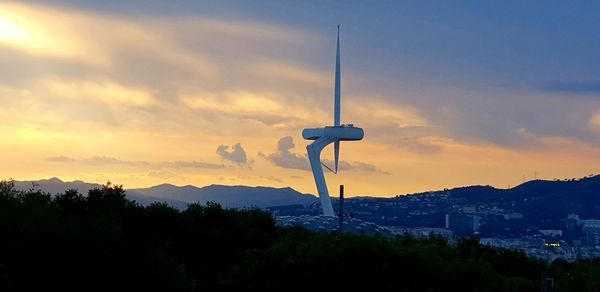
column 228, row 196
column 52, row 180
column 165, row 185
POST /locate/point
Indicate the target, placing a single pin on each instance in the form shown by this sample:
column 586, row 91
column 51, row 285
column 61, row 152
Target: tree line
column 103, row 241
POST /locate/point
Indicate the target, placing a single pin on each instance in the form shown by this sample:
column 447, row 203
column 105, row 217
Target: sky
column 449, row 94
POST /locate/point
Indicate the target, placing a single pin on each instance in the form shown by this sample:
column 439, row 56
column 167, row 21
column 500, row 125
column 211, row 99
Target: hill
column 180, row 196
column 539, row 199
column 521, row 210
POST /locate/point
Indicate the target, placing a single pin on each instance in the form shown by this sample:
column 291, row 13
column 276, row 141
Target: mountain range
column 536, row 199
column 181, row 196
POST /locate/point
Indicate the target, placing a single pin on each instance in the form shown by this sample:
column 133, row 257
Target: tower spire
column 336, row 114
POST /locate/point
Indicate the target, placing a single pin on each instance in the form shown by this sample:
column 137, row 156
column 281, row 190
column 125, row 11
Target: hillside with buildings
column 555, row 217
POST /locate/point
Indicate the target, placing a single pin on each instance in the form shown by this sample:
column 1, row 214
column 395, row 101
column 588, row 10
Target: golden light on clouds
column 290, row 74
column 595, row 122
column 234, row 102
column 379, row 114
column 105, row 91
column 143, row 100
column 44, row 32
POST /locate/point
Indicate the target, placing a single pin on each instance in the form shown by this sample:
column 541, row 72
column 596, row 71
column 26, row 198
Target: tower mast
column 336, row 114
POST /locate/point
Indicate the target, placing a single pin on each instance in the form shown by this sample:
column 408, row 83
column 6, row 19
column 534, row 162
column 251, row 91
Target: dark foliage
column 541, row 199
column 102, row 241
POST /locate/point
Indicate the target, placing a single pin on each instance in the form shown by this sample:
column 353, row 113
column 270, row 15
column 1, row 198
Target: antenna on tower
column 338, row 101
column 337, row 91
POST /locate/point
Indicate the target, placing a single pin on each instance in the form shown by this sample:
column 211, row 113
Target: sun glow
column 42, row 32
column 11, row 29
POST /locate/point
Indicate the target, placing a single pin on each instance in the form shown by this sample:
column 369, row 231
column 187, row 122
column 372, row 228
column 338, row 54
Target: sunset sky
column 188, row 92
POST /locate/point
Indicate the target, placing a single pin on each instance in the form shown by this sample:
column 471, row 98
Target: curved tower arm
column 314, row 155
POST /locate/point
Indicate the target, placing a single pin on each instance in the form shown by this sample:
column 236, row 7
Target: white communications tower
column 327, row 135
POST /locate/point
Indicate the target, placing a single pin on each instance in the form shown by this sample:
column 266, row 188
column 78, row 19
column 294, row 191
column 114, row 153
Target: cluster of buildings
column 332, row 224
column 577, row 239
column 582, row 232
column 501, row 223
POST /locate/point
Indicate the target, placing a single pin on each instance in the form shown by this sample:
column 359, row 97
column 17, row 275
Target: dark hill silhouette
column 179, row 197
column 540, row 198
column 229, row 196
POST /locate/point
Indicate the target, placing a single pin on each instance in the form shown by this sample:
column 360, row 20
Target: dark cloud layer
column 236, row 155
column 191, row 164
column 61, row 158
column 355, row 166
column 104, row 160
column 112, row 161
column 579, row 88
column 286, row 159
